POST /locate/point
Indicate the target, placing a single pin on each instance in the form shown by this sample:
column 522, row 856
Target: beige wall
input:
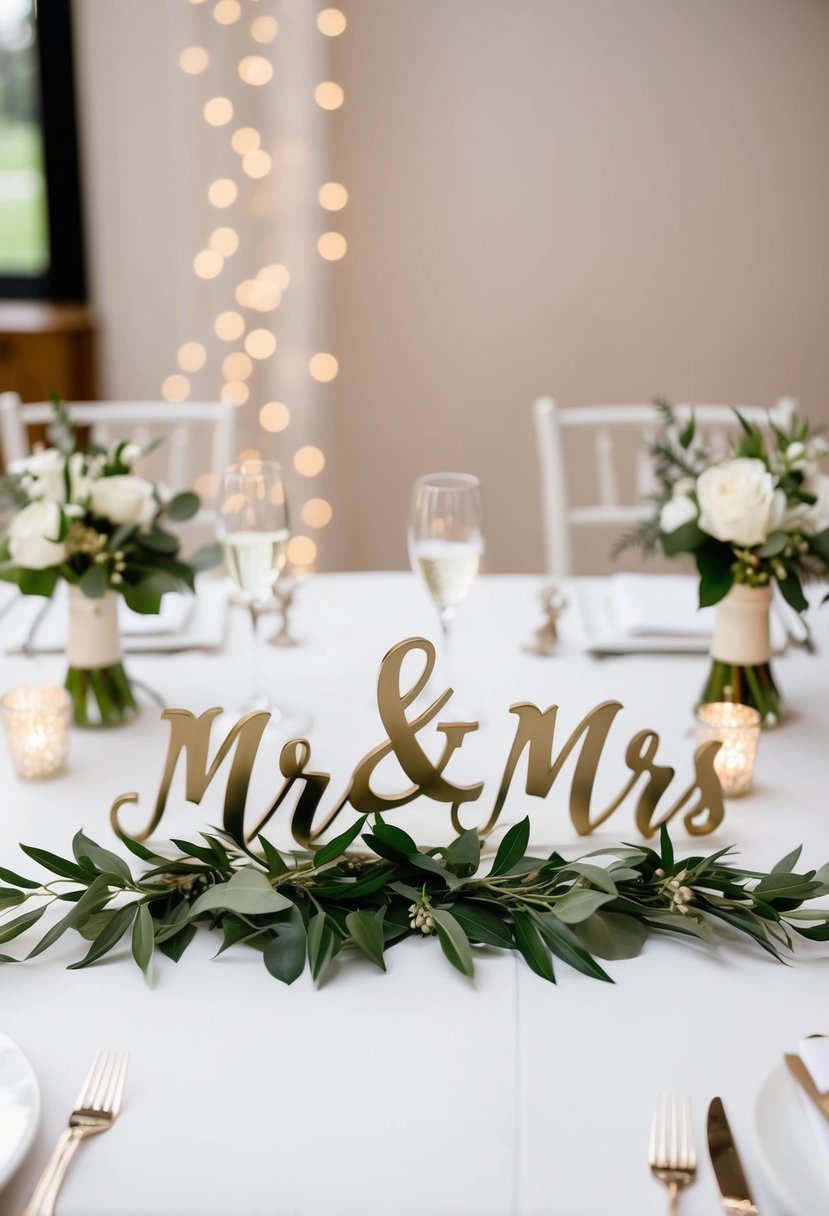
column 597, row 199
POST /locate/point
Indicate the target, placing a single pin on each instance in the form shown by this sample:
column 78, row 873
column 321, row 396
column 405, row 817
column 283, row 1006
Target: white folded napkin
column 659, row 604
column 815, row 1055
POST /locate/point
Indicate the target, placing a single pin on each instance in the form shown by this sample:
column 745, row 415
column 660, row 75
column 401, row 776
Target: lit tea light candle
column 37, row 727
column 737, row 728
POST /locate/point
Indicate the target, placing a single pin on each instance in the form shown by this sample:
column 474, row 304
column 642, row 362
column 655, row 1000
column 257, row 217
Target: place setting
column 413, row 580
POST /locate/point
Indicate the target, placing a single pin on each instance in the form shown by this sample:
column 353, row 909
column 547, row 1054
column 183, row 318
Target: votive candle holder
column 737, row 728
column 37, row 719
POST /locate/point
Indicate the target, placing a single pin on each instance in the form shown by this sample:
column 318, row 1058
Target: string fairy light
column 244, row 325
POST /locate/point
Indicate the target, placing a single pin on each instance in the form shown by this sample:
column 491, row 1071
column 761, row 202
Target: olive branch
column 302, row 909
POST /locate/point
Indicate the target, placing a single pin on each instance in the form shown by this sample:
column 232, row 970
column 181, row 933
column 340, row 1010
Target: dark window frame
column 65, row 278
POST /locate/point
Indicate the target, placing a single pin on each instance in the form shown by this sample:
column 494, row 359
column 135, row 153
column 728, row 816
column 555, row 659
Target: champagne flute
column 446, row 543
column 253, row 531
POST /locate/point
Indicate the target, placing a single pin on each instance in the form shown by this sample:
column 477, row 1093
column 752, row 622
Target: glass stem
column 258, row 697
column 447, row 616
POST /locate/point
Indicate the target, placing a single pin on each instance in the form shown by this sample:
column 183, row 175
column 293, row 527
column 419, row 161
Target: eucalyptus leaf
column 610, row 936
column 532, row 947
column 512, row 848
column 248, row 892
column 453, row 940
column 366, row 929
column 143, row 938
column 580, row 903
column 320, row 944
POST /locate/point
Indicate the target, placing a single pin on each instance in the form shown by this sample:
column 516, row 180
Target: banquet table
column 417, row 1091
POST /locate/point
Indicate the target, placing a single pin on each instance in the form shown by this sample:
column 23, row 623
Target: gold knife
column 736, row 1196
column 806, row 1082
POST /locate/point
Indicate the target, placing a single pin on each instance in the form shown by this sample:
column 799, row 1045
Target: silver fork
column 95, row 1111
column 671, row 1151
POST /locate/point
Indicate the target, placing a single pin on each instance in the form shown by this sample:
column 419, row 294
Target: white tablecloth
column 417, row 1091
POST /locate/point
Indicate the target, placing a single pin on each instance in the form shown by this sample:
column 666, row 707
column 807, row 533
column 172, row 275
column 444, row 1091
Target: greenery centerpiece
column 305, row 909
column 756, row 519
column 82, row 515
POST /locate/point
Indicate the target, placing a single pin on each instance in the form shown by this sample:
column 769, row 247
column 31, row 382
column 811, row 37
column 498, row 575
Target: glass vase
column 741, row 654
column 96, row 681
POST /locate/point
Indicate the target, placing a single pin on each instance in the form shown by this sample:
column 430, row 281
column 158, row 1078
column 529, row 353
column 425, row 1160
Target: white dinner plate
column 19, row 1107
column 794, row 1168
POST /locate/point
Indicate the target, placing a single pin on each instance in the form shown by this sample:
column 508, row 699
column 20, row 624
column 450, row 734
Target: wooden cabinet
column 47, row 347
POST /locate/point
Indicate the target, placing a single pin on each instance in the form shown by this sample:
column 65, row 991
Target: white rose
column 32, row 533
column 130, row 452
column 80, row 482
column 123, row 499
column 738, row 502
column 42, row 474
column 815, row 517
column 676, row 512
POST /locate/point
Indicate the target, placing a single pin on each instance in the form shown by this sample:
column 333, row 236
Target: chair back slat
column 606, row 478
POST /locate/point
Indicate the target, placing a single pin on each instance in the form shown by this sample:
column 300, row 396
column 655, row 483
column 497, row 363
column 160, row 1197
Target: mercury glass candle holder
column 37, row 727
column 737, row 729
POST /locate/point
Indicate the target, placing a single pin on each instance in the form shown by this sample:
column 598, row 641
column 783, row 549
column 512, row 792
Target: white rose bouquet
column 757, row 518
column 83, row 515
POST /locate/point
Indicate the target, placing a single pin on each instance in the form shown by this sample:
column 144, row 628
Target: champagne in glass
column 254, row 532
column 446, row 543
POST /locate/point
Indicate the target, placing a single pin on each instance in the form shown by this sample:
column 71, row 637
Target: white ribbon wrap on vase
column 741, row 627
column 93, row 639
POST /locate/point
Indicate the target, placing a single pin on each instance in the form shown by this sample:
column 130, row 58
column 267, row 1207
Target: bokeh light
column 255, row 69
column 194, row 60
column 218, row 111
column 309, row 461
column 224, row 241
column 301, row 551
column 260, row 344
column 316, row 513
column 274, row 416
column 264, row 29
column 208, row 264
column 257, row 163
column 328, row 95
column 175, row 388
column 331, row 21
column 191, row 356
column 333, row 196
column 222, row 192
column 332, row 246
column 323, row 367
column 246, row 139
column 229, row 326
column 235, row 392
column 237, row 366
column 227, row 11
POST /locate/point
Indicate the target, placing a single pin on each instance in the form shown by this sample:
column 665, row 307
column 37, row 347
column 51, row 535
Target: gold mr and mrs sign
column 700, row 804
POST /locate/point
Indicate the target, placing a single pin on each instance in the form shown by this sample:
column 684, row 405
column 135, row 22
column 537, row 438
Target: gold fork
column 95, row 1111
column 671, row 1150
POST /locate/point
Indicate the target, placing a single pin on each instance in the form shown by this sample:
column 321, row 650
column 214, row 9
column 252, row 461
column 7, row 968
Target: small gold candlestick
column 737, row 728
column 37, row 727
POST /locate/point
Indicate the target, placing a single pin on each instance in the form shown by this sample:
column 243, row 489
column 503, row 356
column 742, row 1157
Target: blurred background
column 382, row 229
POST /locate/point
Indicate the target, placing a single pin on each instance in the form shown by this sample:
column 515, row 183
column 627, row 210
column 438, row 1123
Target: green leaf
column 595, row 875
column 92, row 900
column 714, row 563
column 611, row 936
column 159, row 541
column 183, row 506
column 94, row 581
column 686, row 437
column 666, row 849
column 577, row 905
column 400, row 841
column 512, row 848
column 18, row 880
column 532, row 948
column 37, row 582
column 173, row 947
column 787, row 864
column 143, row 938
column 482, row 925
column 453, row 941
column 775, row 543
column 788, row 886
column 273, row 858
column 284, row 955
column 206, row 558
column 320, row 944
column 463, row 856
column 366, row 929
column 336, row 847
column 819, row 544
column 11, row 929
column 792, row 591
column 103, row 861
column 565, row 944
column 687, row 538
column 109, row 936
column 248, row 893
column 10, row 897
